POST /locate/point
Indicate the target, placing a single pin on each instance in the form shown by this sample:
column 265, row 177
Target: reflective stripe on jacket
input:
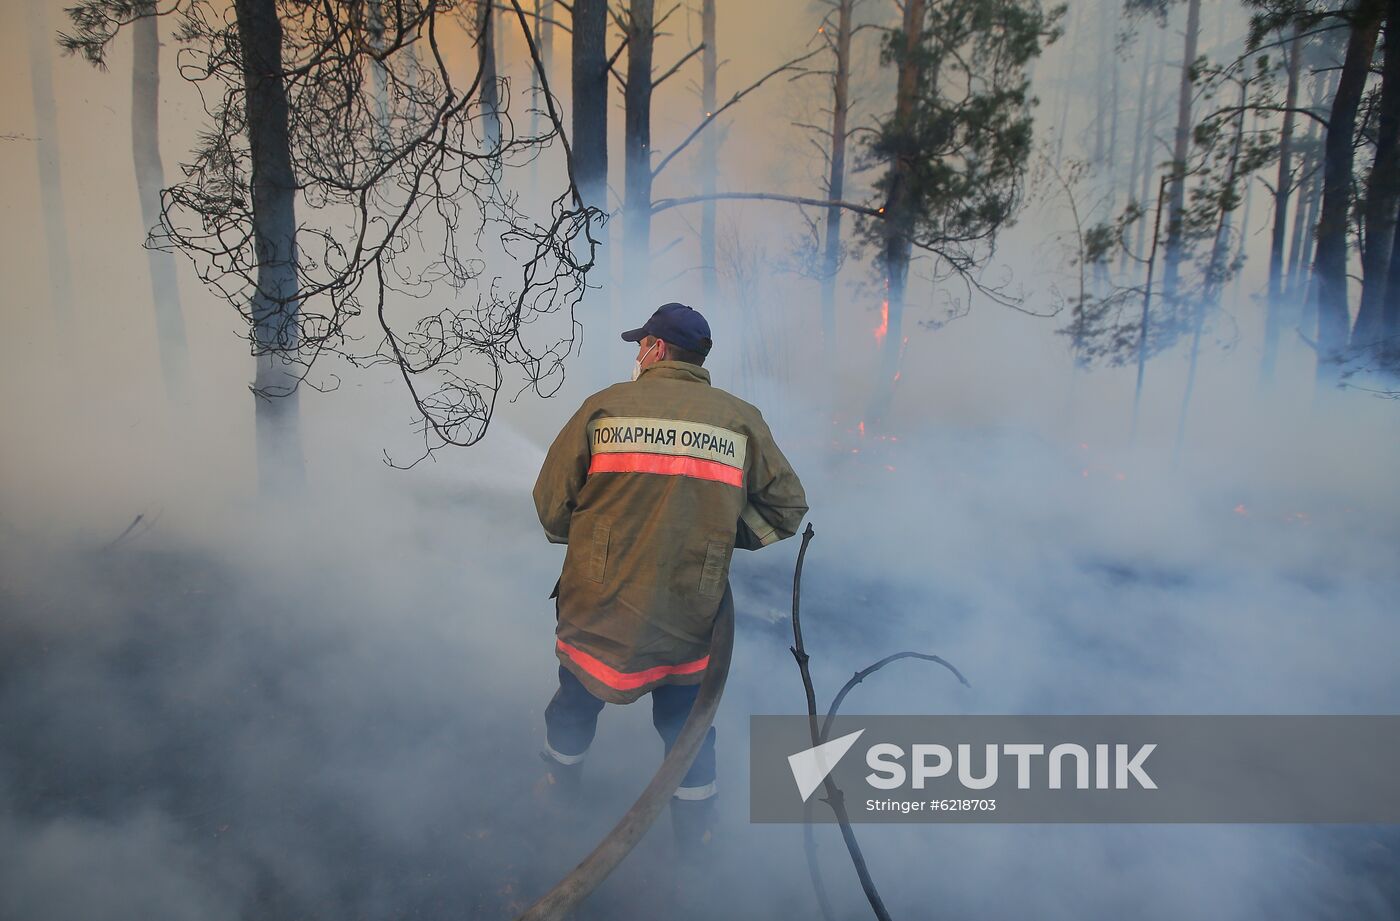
column 652, row 484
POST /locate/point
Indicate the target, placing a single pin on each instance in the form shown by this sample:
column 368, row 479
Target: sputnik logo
column 810, row 767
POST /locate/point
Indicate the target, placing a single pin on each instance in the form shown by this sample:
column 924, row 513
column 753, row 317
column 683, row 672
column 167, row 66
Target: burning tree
column 343, row 172
column 955, row 149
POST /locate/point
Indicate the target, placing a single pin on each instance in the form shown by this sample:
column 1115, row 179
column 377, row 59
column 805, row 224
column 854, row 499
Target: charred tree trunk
column 1333, row 320
column 1283, row 189
column 150, row 178
column 1382, row 195
column 590, row 103
column 589, row 123
column 1181, row 150
column 276, row 333
column 546, row 37
column 50, row 170
column 709, row 155
column 836, row 180
column 641, row 38
column 898, row 223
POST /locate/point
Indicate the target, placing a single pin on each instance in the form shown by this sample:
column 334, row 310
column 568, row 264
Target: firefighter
column 652, row 484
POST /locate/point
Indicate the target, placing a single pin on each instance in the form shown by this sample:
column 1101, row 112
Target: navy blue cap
column 677, row 324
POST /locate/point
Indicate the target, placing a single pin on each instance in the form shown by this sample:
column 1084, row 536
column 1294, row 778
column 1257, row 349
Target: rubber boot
column 693, row 823
column 557, row 791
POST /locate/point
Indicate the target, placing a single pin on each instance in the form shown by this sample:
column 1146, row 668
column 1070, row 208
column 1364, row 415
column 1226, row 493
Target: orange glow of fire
column 861, row 428
column 884, row 326
column 1241, row 510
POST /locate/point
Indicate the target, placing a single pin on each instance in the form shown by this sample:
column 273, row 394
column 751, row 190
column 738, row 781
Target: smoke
column 331, row 707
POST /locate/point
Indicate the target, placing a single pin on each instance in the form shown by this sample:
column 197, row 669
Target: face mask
column 637, row 365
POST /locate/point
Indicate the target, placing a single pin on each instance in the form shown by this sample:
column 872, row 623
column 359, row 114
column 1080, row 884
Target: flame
column 1241, row 510
column 884, row 326
column 861, row 428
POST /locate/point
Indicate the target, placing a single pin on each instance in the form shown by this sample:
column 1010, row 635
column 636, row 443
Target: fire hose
column 593, row 869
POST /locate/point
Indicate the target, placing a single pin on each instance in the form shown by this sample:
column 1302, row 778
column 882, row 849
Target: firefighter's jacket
column 652, row 484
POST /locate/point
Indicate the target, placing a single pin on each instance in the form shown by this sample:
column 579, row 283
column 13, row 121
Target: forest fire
column 272, row 703
column 884, row 326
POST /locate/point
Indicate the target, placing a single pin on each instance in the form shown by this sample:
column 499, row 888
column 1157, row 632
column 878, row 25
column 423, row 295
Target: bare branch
column 711, row 116
column 677, row 66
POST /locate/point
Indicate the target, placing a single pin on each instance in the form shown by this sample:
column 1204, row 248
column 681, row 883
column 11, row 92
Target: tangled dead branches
column 399, row 158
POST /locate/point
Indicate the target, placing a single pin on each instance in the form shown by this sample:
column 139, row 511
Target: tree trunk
column 1074, row 34
column 1242, row 238
column 1215, row 273
column 1333, row 320
column 1181, row 150
column 546, row 36
column 590, row 103
column 1382, row 195
column 1144, row 82
column 544, row 41
column 150, row 177
column 1390, row 317
column 641, row 37
column 1114, row 105
column 1105, row 54
column 379, row 77
column 1305, row 214
column 836, row 180
column 490, row 87
column 276, row 334
column 709, row 155
column 41, row 44
column 1147, row 303
column 589, row 125
column 1305, row 281
column 1283, row 188
column 898, row 224
column 1149, row 162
